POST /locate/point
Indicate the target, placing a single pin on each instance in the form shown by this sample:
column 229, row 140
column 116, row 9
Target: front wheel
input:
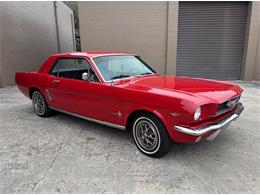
column 150, row 135
column 39, row 105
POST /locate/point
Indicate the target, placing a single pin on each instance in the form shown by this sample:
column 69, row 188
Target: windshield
column 121, row 66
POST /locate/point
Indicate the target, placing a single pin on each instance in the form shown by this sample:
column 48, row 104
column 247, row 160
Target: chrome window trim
column 91, row 119
column 99, row 73
column 113, row 54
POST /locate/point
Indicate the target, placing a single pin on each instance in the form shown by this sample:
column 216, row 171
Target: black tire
column 151, row 124
column 40, row 106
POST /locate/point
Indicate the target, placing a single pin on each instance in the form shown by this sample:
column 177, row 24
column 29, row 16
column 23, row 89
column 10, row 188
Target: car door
column 72, row 94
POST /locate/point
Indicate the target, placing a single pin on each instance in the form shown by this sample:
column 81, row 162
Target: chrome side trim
column 91, row 119
column 222, row 124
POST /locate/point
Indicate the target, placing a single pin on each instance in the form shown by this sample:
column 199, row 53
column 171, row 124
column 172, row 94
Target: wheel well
column 133, row 114
column 32, row 89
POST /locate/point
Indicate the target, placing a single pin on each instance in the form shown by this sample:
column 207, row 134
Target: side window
column 73, row 68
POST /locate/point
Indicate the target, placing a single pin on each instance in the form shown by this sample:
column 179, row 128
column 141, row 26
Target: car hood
column 211, row 90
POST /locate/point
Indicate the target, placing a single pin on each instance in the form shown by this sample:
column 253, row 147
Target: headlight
column 197, row 113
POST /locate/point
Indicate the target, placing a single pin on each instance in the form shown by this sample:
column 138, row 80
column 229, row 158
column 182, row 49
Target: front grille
column 227, row 105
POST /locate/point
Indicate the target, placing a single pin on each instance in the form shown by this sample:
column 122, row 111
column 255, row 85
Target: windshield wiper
column 146, row 73
column 120, row 76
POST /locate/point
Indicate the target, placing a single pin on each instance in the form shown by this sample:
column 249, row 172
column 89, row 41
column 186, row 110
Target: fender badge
column 119, row 114
column 48, row 94
column 175, row 114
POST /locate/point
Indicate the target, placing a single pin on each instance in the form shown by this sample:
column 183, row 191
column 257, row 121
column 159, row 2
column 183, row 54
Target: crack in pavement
column 46, row 172
column 55, row 158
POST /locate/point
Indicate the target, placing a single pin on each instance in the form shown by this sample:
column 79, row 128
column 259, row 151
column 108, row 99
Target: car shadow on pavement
column 178, row 149
column 203, row 149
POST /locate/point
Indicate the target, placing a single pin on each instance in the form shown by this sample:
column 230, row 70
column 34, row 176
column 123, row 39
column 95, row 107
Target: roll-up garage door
column 211, row 39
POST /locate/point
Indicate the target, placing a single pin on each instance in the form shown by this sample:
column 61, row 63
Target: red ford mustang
column 122, row 91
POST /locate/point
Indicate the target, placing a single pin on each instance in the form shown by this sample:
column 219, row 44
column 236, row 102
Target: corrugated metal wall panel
column 211, row 39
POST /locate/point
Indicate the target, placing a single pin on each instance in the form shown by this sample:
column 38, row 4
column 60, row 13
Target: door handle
column 55, row 81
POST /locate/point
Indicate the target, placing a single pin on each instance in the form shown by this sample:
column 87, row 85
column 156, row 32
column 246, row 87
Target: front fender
column 164, row 115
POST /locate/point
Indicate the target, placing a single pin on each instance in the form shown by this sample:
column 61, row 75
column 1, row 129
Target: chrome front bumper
column 220, row 125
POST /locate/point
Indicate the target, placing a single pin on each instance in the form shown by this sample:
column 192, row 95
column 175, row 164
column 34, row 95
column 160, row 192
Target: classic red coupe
column 122, row 91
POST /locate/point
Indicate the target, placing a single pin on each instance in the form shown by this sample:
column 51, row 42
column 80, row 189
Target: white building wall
column 0, row 46
column 137, row 27
column 29, row 35
column 65, row 27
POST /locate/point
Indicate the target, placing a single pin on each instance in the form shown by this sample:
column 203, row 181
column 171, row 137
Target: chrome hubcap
column 38, row 103
column 146, row 135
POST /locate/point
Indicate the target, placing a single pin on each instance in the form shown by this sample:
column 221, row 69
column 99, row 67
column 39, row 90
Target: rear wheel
column 150, row 135
column 39, row 105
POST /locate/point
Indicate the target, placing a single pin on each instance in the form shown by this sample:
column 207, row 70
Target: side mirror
column 84, row 76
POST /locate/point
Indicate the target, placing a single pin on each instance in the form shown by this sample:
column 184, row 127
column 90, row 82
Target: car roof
column 90, row 54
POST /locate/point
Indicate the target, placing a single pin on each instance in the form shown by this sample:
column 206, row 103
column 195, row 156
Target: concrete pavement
column 64, row 154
